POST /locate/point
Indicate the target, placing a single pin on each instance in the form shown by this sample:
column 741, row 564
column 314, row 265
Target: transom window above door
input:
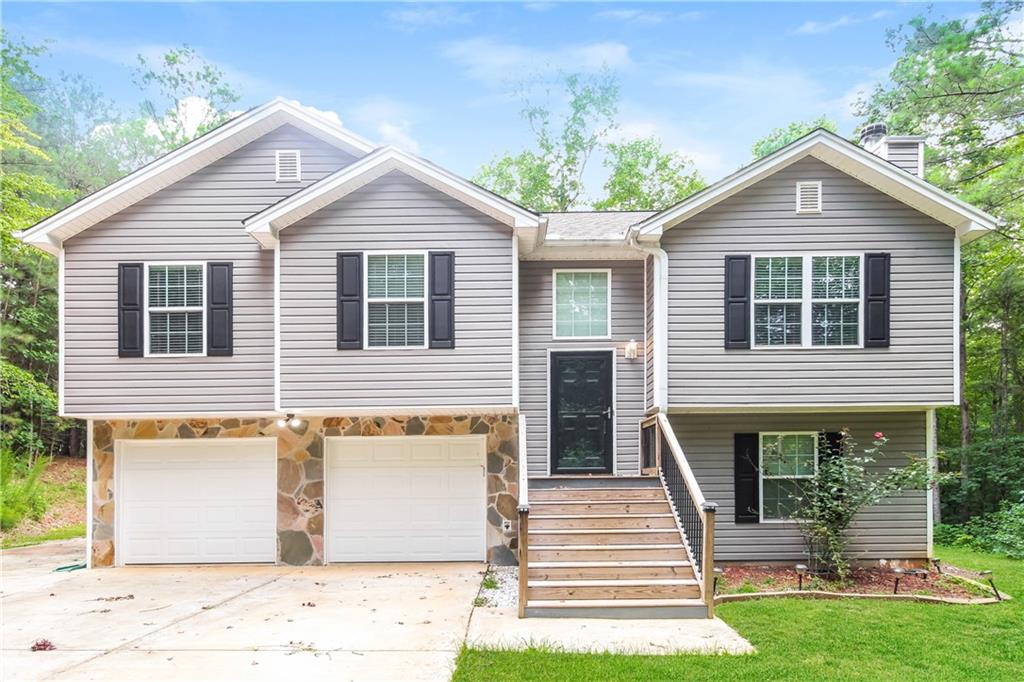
column 396, row 302
column 174, row 309
column 582, row 304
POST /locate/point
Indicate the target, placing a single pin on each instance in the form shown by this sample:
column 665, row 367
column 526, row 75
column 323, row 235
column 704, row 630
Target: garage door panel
column 405, row 499
column 197, row 502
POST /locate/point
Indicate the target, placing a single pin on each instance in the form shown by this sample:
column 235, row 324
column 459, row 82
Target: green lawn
column 64, row 533
column 818, row 640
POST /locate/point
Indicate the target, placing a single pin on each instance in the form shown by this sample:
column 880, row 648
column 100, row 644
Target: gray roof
column 592, row 224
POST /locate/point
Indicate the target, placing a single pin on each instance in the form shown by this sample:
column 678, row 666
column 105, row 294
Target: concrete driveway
column 345, row 622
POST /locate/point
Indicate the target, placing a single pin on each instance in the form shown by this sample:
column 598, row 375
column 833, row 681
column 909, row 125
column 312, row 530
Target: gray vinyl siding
column 649, row 351
column 396, row 212
column 894, row 529
column 196, row 219
column 906, row 155
column 918, row 366
column 535, row 341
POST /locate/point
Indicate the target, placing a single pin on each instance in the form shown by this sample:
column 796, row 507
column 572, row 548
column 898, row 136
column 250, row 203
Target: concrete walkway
column 343, row 622
column 503, row 629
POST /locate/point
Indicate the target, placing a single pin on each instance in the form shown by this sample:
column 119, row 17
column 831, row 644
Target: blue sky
column 437, row 79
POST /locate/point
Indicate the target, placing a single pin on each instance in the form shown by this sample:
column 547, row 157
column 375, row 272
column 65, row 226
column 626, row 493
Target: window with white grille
column 289, row 166
column 808, row 197
column 174, row 309
column 396, row 303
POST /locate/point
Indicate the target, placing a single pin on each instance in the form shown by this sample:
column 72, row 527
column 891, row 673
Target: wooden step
column 583, row 521
column 675, row 588
column 598, row 507
column 664, row 552
column 602, row 536
column 609, row 570
column 616, row 608
column 596, row 494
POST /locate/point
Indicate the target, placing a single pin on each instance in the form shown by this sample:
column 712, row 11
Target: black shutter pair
column 875, row 304
column 746, row 478
column 440, row 300
column 131, row 342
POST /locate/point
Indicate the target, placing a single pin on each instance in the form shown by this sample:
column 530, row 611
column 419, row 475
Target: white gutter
column 660, row 318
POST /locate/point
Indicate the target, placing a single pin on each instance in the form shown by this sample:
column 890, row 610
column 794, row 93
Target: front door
column 581, row 412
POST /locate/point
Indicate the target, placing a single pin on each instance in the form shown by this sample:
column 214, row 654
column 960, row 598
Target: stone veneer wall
column 300, row 471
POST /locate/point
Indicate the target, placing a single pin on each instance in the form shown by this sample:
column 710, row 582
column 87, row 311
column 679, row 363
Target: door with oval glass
column 581, row 412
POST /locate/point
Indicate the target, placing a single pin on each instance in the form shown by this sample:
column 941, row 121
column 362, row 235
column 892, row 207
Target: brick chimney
column 905, row 151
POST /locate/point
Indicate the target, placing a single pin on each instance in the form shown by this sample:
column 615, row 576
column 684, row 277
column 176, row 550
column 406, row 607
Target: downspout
column 660, row 302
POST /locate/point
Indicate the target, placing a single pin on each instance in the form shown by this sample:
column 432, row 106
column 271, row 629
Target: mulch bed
column 754, row 579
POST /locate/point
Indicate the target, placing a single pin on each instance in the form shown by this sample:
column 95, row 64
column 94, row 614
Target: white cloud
column 495, row 62
column 811, row 27
column 412, row 18
column 538, row 6
column 674, row 137
column 390, row 120
column 646, row 17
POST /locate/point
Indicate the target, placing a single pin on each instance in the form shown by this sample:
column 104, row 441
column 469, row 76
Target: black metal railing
column 686, row 508
column 649, row 445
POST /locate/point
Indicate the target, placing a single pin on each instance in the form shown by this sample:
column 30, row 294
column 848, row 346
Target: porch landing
column 491, row 628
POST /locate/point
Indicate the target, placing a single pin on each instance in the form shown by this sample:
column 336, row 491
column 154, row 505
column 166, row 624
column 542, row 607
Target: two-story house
column 293, row 346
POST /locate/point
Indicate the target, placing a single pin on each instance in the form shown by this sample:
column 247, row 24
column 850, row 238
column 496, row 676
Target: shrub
column 1001, row 532
column 843, row 485
column 20, row 493
column 995, row 473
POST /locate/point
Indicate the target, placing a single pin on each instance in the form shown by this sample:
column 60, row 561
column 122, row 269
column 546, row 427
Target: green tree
column 960, row 82
column 184, row 95
column 550, row 177
column 28, row 297
column 780, row 137
column 645, row 178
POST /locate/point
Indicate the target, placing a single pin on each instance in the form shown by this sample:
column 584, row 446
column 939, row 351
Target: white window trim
column 277, row 165
column 367, row 301
column 554, row 304
column 181, row 309
column 760, row 468
column 809, row 211
column 806, row 301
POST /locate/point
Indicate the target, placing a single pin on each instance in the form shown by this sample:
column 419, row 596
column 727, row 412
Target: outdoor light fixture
column 289, row 420
column 631, row 350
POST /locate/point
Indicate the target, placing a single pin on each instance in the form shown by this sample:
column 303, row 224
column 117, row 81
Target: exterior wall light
column 632, row 350
column 289, row 420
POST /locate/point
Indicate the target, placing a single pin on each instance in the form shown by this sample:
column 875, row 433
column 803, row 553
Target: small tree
column 845, row 482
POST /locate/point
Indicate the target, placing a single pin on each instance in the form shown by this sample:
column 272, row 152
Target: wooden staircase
column 607, row 547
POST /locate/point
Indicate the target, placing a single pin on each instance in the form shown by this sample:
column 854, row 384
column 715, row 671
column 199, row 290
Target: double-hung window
column 582, row 304
column 175, row 313
column 807, row 301
column 396, row 303
column 785, row 460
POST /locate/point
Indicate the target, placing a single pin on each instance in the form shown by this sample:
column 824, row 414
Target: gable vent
column 289, row 166
column 808, row 197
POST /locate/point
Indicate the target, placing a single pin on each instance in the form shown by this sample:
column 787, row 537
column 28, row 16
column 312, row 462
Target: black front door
column 581, row 412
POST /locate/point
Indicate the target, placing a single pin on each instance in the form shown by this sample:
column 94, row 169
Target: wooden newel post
column 524, row 529
column 707, row 570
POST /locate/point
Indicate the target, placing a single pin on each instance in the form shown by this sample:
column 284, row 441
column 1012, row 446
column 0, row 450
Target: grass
column 63, row 533
column 63, row 488
column 817, row 640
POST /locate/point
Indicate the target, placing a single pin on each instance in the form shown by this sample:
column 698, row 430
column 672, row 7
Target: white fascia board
column 739, row 408
column 369, row 168
column 50, row 233
column 844, row 156
column 584, row 249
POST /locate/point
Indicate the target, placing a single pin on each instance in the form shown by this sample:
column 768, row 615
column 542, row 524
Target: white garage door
column 406, row 498
column 201, row 501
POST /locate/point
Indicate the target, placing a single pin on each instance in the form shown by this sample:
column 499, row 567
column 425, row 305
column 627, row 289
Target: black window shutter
column 737, row 301
column 130, row 327
column 831, row 445
column 747, row 485
column 350, row 301
column 219, row 309
column 442, row 299
column 876, row 300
